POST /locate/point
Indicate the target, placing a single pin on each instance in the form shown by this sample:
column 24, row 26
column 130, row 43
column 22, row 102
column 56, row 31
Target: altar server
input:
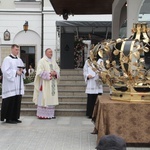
column 12, row 86
column 93, row 86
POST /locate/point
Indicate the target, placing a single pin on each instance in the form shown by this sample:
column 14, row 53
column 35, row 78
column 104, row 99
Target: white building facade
column 41, row 33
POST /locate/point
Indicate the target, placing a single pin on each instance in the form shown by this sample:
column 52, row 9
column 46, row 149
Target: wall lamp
column 25, row 26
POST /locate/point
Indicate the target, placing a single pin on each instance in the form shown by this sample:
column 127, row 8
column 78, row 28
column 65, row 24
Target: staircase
column 71, row 94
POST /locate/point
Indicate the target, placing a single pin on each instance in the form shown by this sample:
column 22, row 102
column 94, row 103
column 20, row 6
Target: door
column 67, row 51
column 28, row 56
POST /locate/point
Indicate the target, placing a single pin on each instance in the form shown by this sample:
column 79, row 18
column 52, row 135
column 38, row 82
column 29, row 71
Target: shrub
column 30, row 78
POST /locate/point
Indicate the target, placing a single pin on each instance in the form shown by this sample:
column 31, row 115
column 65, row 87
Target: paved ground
column 62, row 133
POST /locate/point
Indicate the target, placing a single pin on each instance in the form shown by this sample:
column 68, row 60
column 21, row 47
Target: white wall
column 7, row 4
column 13, row 15
column 14, row 24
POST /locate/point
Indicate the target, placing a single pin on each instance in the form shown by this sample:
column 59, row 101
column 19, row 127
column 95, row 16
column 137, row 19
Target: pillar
column 133, row 9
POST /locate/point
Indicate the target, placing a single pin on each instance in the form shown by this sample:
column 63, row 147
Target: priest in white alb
column 45, row 86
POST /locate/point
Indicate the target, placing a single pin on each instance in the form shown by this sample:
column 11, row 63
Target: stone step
column 73, row 77
column 63, row 109
column 72, row 99
column 64, row 98
column 27, row 104
column 71, row 82
column 70, row 112
column 60, row 84
column 28, row 112
column 71, row 91
column 29, row 86
column 58, row 112
column 71, row 72
column 71, row 105
column 71, row 87
column 61, row 98
column 63, row 82
column 63, row 93
column 28, row 98
column 68, row 90
column 62, row 105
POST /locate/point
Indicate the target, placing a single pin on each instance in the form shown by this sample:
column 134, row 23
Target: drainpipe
column 42, row 28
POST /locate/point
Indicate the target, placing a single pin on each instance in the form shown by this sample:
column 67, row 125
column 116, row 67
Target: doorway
column 70, row 39
column 67, row 51
column 28, row 56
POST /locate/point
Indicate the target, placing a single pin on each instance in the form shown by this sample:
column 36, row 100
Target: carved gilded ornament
column 126, row 67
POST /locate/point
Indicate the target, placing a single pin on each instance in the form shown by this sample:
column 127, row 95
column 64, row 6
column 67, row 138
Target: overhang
column 93, row 30
column 92, row 27
column 84, row 23
column 80, row 7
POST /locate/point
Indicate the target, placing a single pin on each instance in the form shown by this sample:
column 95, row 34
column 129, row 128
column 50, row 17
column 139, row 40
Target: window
column 28, row 55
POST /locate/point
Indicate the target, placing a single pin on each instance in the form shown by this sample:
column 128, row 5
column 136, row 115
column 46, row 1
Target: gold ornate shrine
column 126, row 67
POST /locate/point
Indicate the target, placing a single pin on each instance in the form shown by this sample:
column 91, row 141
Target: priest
column 12, row 86
column 45, row 86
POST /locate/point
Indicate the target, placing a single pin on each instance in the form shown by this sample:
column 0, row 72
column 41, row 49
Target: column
column 117, row 16
column 133, row 9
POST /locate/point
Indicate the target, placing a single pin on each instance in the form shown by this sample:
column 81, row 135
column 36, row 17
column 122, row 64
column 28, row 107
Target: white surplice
column 92, row 85
column 12, row 83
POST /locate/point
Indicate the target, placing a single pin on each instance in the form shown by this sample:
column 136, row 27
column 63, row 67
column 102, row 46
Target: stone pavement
column 62, row 133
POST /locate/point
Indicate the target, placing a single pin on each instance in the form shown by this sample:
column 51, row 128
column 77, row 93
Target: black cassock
column 10, row 109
